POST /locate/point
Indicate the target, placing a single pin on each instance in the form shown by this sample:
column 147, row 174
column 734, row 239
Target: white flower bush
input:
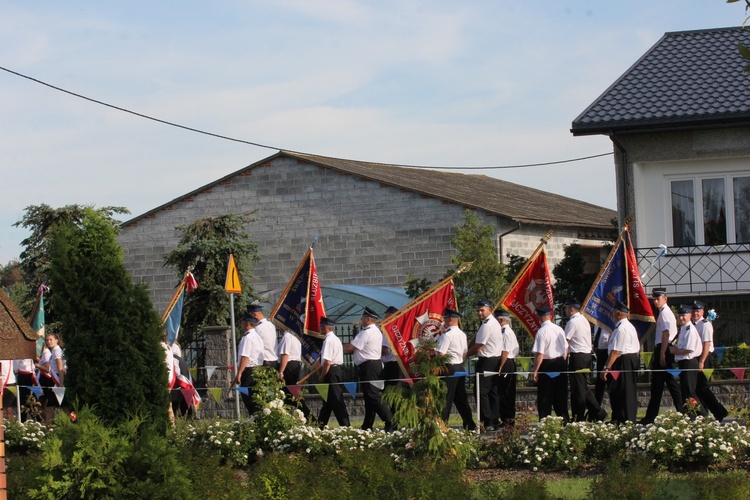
column 24, row 437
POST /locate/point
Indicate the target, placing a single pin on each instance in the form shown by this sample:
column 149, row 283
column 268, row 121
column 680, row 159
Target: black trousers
column 581, row 397
column 703, row 389
column 246, row 380
column 457, row 395
column 292, row 374
column 507, row 390
column 374, row 405
column 335, row 402
column 24, row 381
column 658, row 380
column 600, row 386
column 623, row 393
column 391, row 374
column 552, row 393
column 689, row 382
column 489, row 397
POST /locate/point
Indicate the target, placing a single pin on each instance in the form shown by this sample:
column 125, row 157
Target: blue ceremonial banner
column 172, row 323
column 302, row 303
column 609, row 287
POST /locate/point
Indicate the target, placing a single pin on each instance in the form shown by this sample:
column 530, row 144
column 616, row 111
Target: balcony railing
column 697, row 269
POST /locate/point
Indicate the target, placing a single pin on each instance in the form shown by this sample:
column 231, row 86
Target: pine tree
column 109, row 328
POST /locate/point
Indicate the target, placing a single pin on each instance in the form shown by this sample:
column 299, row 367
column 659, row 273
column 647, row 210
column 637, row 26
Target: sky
column 431, row 83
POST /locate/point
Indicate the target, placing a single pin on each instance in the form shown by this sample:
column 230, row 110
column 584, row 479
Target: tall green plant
column 485, row 280
column 205, row 248
column 110, row 330
column 571, row 281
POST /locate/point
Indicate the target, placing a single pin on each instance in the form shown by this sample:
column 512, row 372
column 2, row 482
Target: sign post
column 232, row 285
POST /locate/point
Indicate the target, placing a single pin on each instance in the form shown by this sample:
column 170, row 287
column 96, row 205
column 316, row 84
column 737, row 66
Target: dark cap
column 684, row 310
column 543, row 311
column 484, row 303
column 501, row 313
column 370, row 313
column 620, row 306
column 247, row 317
column 573, row 303
column 658, row 292
column 698, row 306
column 327, row 322
column 390, row 310
column 254, row 308
column 450, row 313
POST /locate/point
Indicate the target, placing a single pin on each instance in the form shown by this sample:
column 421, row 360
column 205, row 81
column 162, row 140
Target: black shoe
column 601, row 415
column 470, row 427
column 390, row 427
column 645, row 421
column 724, row 415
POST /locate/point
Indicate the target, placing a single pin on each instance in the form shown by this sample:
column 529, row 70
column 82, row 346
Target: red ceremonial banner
column 420, row 318
column 532, row 288
column 315, row 307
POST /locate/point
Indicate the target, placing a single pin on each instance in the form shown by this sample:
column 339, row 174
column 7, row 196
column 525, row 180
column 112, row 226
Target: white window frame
column 698, row 203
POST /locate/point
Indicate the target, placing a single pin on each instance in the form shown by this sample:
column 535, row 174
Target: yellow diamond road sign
column 232, row 283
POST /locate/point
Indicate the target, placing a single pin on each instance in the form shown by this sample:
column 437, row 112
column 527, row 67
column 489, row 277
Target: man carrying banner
column 550, row 352
column 622, row 366
column 662, row 360
column 267, row 333
column 705, row 362
column 686, row 353
column 488, row 346
column 331, row 359
column 249, row 357
column 391, row 370
column 367, row 348
column 578, row 335
column 508, row 379
column 452, row 343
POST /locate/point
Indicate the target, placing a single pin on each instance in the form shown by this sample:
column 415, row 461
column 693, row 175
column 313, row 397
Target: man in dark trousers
column 666, row 333
column 367, row 348
column 331, row 359
column 452, row 343
column 624, row 349
column 487, row 345
column 706, row 331
column 550, row 352
column 508, row 378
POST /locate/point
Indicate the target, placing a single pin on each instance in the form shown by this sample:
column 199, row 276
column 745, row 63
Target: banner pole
column 234, row 354
column 479, row 419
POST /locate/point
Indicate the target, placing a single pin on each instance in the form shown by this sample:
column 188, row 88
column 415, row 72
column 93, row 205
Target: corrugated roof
column 688, row 78
column 513, row 201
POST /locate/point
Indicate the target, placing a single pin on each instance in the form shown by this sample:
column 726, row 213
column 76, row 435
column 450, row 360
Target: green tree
column 416, row 286
column 41, row 221
column 570, row 279
column 205, row 247
column 109, row 327
column 13, row 283
column 475, row 242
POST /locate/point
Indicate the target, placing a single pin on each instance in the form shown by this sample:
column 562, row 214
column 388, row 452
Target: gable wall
column 368, row 234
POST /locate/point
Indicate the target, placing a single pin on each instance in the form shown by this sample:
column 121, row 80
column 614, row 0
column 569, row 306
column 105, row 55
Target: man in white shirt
column 663, row 359
column 578, row 335
column 249, row 357
column 703, row 388
column 452, row 343
column 623, row 358
column 331, row 359
column 487, row 345
column 367, row 348
column 267, row 333
column 289, row 352
column 550, row 352
column 687, row 351
column 508, row 378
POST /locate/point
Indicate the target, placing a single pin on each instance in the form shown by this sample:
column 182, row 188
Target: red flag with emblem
column 531, row 288
column 420, row 318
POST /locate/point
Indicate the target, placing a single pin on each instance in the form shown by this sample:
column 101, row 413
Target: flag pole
column 603, row 268
column 174, row 300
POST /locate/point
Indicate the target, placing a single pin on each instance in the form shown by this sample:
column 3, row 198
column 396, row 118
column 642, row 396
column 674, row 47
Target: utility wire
column 265, row 146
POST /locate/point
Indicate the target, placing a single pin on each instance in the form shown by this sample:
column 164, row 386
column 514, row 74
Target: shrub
column 24, row 438
column 87, row 459
column 633, row 481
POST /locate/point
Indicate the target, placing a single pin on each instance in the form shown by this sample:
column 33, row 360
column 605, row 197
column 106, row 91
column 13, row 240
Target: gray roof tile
column 686, row 78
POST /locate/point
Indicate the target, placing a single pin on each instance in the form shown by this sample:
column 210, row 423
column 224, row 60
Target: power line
column 265, row 146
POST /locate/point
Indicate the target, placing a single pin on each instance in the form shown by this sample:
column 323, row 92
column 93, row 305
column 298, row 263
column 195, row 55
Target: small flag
column 36, row 390
column 188, row 394
column 674, row 372
column 351, row 387
column 216, row 393
column 525, row 362
column 719, row 351
column 322, row 390
column 13, row 389
column 646, row 357
column 708, row 373
column 743, row 346
column 210, row 372
column 193, row 372
column 523, row 375
column 242, row 390
column 615, row 374
column 552, row 374
column 378, row 383
column 59, row 394
column 461, row 374
column 295, row 390
column 739, row 373
column 584, row 370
